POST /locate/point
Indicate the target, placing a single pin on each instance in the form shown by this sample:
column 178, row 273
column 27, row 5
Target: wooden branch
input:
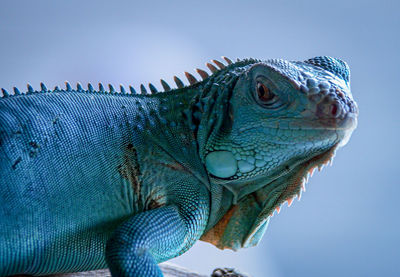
column 168, row 270
column 171, row 270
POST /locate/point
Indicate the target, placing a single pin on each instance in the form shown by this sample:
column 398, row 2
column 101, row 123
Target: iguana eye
column 263, row 93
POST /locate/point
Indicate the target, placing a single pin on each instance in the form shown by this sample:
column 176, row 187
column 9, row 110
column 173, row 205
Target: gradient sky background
column 347, row 223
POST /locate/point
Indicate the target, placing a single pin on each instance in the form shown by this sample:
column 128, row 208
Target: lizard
column 113, row 178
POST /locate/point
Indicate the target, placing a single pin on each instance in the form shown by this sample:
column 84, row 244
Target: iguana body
column 91, row 179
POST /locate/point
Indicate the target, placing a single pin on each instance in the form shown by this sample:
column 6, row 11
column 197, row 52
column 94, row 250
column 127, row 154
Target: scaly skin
column 91, row 179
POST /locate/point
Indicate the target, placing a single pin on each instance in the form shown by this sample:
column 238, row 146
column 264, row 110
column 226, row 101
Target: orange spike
column 311, row 171
column 192, row 80
column 212, row 68
column 178, row 82
column 278, row 209
column 229, row 61
column 290, row 201
column 202, row 73
column 219, row 64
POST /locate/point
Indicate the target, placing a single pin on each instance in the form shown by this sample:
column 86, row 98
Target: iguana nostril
column 334, row 109
column 329, row 107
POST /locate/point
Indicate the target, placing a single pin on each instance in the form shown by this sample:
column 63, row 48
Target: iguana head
column 272, row 123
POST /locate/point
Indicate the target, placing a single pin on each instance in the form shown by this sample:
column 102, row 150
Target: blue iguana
column 93, row 178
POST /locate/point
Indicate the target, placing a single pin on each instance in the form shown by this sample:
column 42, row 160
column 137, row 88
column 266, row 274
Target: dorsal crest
column 215, row 66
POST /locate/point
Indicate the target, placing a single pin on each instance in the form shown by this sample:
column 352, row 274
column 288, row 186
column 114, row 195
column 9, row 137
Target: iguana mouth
column 294, row 188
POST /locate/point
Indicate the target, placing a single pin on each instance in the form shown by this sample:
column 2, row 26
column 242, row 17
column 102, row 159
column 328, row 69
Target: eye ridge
column 264, row 94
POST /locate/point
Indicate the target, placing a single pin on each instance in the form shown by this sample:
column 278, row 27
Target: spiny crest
column 122, row 89
column 30, row 89
column 43, row 87
column 212, row 68
column 178, row 82
column 111, row 88
column 143, row 89
column 165, row 85
column 152, row 88
column 203, row 74
column 79, row 87
column 215, row 66
column 192, row 80
column 16, row 91
column 5, row 92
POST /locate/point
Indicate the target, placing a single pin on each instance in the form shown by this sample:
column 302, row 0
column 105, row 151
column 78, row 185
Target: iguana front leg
column 157, row 235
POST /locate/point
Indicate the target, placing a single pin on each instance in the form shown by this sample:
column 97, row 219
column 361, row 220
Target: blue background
column 347, row 223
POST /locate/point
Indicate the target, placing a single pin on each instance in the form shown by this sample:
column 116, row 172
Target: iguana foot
column 226, row 272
